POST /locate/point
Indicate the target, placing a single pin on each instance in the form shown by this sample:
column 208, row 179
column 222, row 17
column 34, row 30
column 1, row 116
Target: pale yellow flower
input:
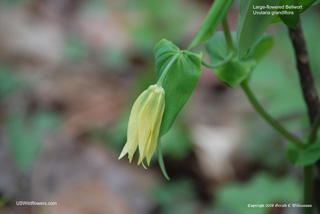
column 144, row 124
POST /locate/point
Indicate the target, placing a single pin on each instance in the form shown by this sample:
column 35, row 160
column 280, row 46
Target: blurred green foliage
column 8, row 80
column 261, row 189
column 160, row 21
column 310, row 23
column 75, row 49
column 304, row 157
column 26, row 135
column 176, row 197
column 12, row 3
column 177, row 144
column 263, row 146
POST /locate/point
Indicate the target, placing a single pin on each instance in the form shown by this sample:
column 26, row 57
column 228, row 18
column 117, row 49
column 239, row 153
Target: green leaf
column 218, row 51
column 290, row 20
column 234, row 71
column 309, row 155
column 306, row 4
column 251, row 27
column 276, row 19
column 265, row 43
column 217, row 12
column 217, row 47
column 292, row 152
column 305, row 156
column 180, row 80
column 316, row 2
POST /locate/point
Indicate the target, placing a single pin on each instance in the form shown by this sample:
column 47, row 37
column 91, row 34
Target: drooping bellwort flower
column 144, row 124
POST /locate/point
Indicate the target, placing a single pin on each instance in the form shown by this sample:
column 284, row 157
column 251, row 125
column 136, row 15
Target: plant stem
column 314, row 129
column 275, row 124
column 227, row 34
column 308, row 188
column 311, row 98
column 307, row 83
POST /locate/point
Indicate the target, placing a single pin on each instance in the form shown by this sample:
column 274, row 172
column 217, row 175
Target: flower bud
column 144, row 124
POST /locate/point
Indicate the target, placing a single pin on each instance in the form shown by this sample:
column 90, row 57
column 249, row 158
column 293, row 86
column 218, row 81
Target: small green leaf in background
column 304, row 157
column 290, row 20
column 180, row 80
column 251, row 27
column 262, row 189
column 310, row 155
column 217, row 12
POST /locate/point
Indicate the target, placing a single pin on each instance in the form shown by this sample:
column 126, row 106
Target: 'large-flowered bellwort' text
column 144, row 124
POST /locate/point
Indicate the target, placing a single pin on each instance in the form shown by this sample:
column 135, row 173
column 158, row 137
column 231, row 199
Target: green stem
column 314, row 128
column 308, row 188
column 227, row 34
column 164, row 73
column 227, row 59
column 308, row 171
column 275, row 124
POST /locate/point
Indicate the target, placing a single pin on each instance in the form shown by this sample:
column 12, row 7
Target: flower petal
column 134, row 120
column 156, row 129
column 124, row 151
column 149, row 118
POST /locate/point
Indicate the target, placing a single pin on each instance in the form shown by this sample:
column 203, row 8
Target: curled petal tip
column 124, row 152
